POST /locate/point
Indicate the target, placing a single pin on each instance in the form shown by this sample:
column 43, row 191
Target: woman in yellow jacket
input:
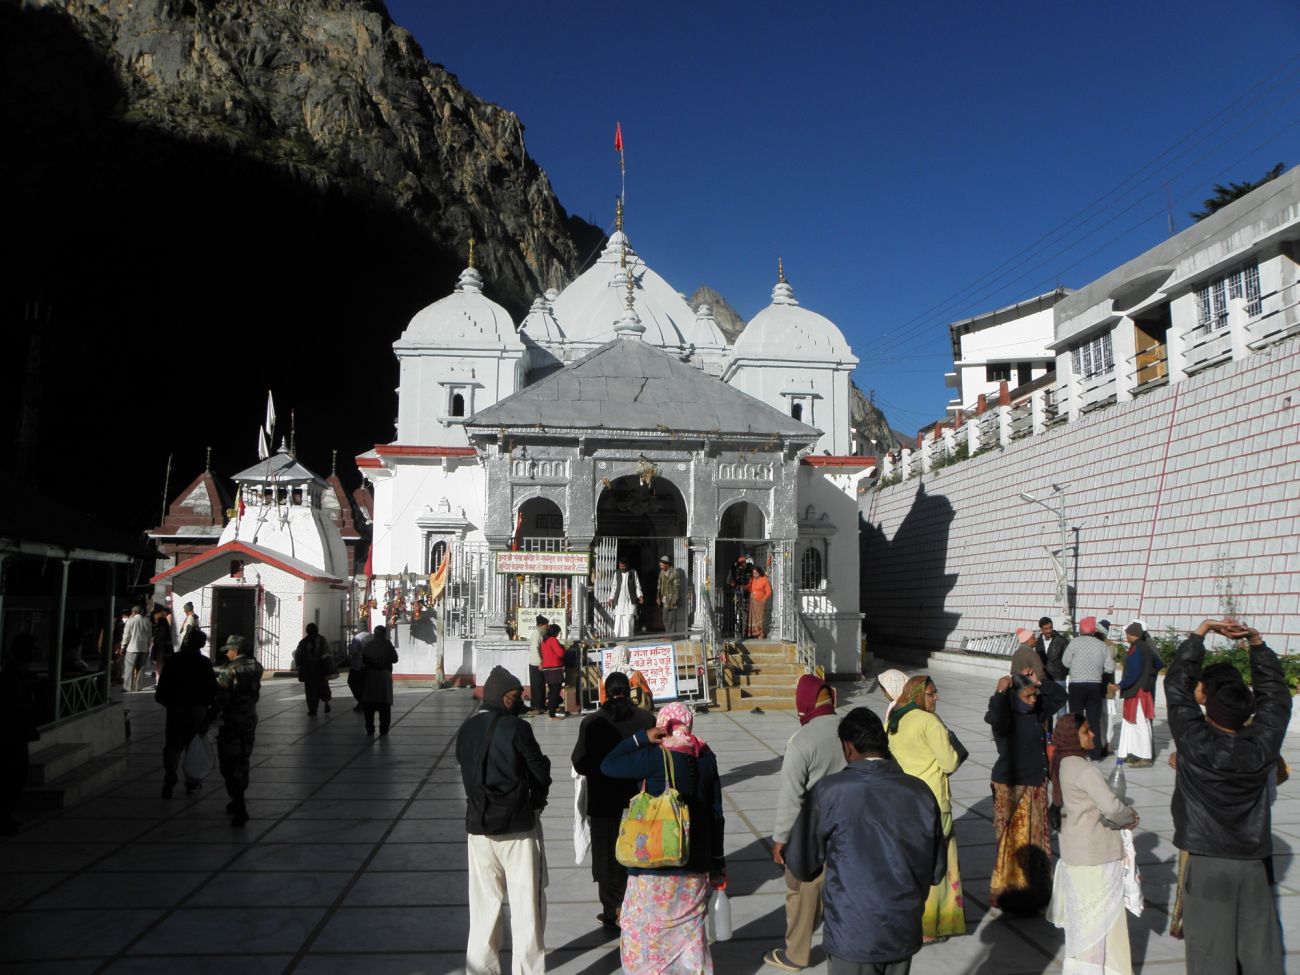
column 923, row 747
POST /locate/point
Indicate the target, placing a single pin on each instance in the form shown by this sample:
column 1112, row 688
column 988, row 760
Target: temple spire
column 471, row 253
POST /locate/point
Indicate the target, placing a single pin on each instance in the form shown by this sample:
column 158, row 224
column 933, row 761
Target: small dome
column 589, row 308
column 784, row 329
column 540, row 324
column 704, row 333
column 465, row 319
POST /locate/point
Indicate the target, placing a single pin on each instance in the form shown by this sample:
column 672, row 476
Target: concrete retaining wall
column 1178, row 496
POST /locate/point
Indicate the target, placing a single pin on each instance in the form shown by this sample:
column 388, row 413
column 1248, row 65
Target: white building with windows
column 613, row 422
column 1010, row 345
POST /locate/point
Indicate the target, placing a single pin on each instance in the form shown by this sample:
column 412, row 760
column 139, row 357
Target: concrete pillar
column 972, row 433
column 1038, row 412
column 1124, row 348
column 925, row 456
column 57, row 668
column 1240, row 337
column 1004, row 425
column 1070, row 392
column 906, row 463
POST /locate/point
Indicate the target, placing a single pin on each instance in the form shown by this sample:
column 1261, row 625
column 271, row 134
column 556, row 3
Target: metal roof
column 631, row 385
column 281, row 467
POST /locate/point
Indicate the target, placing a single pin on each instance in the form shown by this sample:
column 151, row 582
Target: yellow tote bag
column 656, row 830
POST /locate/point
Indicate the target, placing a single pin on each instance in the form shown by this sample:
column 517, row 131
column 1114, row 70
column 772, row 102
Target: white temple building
column 613, row 422
column 280, row 564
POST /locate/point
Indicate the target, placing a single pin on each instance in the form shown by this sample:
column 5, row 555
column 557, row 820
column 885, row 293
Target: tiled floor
column 355, row 858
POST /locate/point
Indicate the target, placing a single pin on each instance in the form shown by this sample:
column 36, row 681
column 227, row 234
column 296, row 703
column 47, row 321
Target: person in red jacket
column 553, row 671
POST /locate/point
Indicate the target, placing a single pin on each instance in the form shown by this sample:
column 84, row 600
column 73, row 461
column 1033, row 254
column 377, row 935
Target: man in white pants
column 135, row 648
column 624, row 597
column 506, row 780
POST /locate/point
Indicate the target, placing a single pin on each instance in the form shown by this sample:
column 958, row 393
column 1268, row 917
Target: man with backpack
column 506, row 780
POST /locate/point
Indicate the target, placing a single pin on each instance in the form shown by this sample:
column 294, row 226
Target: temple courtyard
column 355, row 857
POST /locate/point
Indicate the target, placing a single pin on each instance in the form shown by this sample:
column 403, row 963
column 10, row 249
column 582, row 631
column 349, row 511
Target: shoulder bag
column 656, row 830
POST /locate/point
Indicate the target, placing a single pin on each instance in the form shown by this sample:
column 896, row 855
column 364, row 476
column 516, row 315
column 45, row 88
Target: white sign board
column 543, row 563
column 657, row 663
column 526, row 621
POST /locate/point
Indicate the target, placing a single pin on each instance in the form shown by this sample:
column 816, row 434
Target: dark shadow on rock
column 903, row 580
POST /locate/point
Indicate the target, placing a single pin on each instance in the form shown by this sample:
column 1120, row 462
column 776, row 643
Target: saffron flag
column 519, row 532
column 438, row 580
column 618, row 136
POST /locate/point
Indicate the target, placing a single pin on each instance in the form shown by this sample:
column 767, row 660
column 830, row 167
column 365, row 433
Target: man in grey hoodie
column 813, row 752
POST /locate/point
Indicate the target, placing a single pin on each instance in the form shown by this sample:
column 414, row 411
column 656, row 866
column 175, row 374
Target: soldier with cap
column 669, row 597
column 239, row 684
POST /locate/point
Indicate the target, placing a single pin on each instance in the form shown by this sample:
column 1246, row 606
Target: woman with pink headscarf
column 664, row 908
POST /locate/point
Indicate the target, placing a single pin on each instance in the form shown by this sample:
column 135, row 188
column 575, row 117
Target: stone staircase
column 60, row 775
column 760, row 674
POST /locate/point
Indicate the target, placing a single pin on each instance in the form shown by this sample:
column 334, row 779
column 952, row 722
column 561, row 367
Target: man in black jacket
column 186, row 690
column 878, row 834
column 607, row 798
column 506, row 780
column 1051, row 648
column 1220, row 807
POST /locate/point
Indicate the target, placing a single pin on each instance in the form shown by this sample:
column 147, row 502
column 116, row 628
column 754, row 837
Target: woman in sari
column 1022, row 876
column 922, row 747
column 664, row 907
column 760, row 594
column 1088, row 890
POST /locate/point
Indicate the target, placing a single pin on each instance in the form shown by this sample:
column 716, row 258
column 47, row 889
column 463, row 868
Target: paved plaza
column 355, row 858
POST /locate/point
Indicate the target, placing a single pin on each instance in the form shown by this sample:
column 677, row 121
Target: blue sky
column 906, row 160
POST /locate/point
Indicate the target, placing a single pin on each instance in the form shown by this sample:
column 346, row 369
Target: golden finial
column 629, row 290
column 622, row 256
column 471, row 252
column 618, row 216
column 780, row 271
column 334, row 462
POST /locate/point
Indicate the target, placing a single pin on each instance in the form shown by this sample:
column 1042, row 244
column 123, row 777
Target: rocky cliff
column 337, row 95
column 865, row 415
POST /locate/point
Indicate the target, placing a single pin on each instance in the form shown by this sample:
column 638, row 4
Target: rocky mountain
column 335, row 94
column 865, row 414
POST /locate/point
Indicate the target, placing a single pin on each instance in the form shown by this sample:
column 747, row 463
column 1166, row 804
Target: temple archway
column 639, row 521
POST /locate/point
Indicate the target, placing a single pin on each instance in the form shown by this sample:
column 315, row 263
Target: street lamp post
column 1063, row 589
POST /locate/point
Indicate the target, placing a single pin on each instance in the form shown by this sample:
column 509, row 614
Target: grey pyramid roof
column 281, row 466
column 628, row 384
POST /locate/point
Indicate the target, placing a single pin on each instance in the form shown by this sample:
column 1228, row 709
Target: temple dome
column 589, row 308
column 465, row 319
column 785, row 330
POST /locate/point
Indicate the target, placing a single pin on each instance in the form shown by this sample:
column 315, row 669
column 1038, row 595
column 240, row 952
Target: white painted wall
column 827, row 386
column 299, row 531
column 1023, row 339
column 832, row 611
column 427, row 377
column 403, row 494
column 1177, row 491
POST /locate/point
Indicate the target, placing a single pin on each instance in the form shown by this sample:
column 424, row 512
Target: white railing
column 805, row 645
column 1205, row 347
column 1279, row 317
column 1095, row 390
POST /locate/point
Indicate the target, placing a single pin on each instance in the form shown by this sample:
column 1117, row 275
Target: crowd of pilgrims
column 863, row 829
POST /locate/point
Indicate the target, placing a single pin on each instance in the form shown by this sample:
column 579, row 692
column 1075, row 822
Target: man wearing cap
column 239, row 685
column 1026, row 656
column 624, row 597
column 1087, row 660
column 187, row 690
column 135, row 648
column 616, row 719
column 1137, row 691
column 669, row 596
column 506, row 779
column 1221, row 813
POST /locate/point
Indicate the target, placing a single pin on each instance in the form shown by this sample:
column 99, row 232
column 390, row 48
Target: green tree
column 1223, row 195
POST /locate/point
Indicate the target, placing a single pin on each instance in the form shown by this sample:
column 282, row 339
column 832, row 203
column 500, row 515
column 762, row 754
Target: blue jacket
column 878, row 834
column 697, row 783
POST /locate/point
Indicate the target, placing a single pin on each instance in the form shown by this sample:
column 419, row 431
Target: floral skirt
column 945, row 910
column 1022, row 870
column 1088, row 903
column 663, row 925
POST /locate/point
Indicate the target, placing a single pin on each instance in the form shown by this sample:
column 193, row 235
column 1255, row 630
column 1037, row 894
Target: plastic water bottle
column 1117, row 782
column 718, row 922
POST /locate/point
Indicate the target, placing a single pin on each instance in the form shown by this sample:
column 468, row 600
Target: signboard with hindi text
column 543, row 563
column 657, row 663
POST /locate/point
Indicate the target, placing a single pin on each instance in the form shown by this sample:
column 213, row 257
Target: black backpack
column 490, row 809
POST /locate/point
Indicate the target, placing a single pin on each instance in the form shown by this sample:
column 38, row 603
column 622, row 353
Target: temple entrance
column 638, row 520
column 539, row 527
column 742, row 532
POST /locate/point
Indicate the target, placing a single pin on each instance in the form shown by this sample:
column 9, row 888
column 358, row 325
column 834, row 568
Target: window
column 1024, row 373
column 437, row 552
column 457, row 404
column 1212, row 300
column 810, row 576
column 1093, row 358
column 796, row 410
column 996, row 372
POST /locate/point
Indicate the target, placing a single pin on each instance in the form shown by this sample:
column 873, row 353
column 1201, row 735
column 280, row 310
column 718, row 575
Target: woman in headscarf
column 1088, row 889
column 922, row 747
column 664, row 908
column 620, row 662
column 760, row 594
column 891, row 685
column 1022, row 876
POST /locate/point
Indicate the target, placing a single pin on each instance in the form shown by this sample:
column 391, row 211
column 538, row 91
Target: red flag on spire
column 618, row 136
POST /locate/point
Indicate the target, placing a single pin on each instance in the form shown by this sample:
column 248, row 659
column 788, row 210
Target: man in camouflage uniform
column 239, row 684
column 670, row 595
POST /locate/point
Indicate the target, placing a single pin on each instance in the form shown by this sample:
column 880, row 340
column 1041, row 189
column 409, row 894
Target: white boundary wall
column 1176, row 493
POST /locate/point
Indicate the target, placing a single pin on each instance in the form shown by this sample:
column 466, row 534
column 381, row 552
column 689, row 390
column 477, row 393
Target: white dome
column 704, row 332
column 589, row 308
column 785, row 330
column 540, row 324
column 465, row 319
